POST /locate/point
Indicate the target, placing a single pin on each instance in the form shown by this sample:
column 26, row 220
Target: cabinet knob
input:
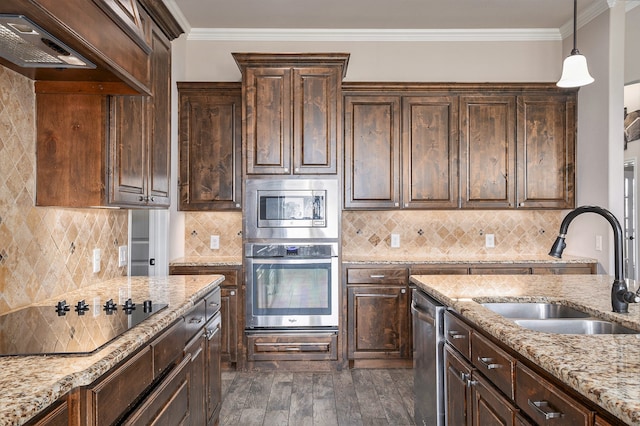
column 403, row 291
column 237, row 205
column 232, row 293
column 297, row 169
column 141, row 198
column 286, row 169
column 396, row 204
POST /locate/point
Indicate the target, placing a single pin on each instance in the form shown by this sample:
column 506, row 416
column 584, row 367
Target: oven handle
column 290, row 261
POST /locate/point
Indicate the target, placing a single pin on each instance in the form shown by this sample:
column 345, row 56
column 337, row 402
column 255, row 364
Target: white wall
column 632, row 50
column 446, row 61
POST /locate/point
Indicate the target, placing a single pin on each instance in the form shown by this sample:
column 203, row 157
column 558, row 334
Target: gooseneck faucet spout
column 620, row 296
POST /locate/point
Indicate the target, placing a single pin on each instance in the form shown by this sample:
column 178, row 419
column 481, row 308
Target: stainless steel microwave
column 291, row 208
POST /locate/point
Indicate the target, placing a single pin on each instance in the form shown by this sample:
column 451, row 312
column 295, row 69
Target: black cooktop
column 79, row 329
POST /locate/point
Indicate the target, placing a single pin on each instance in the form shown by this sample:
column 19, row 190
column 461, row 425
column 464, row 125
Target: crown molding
column 300, row 34
column 173, row 7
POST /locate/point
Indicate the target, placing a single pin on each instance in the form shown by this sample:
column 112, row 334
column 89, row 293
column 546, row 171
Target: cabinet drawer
column 398, row 276
column 213, row 301
column 195, row 319
column 494, row 363
column 516, row 270
column 168, row 348
column 547, row 404
column 457, row 334
column 112, row 396
column 290, row 347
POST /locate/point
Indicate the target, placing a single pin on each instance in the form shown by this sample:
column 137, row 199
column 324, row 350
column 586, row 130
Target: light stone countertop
column 207, row 261
column 463, row 260
column 29, row 384
column 603, row 368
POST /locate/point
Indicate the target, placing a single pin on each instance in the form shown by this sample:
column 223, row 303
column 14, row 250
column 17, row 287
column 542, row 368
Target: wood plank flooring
column 339, row 398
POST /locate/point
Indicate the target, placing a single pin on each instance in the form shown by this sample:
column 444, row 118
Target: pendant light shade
column 575, row 72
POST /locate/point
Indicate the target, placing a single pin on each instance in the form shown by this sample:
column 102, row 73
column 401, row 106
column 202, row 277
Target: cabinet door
column 268, row 120
column 210, row 143
column 378, row 322
column 315, row 120
column 430, row 151
column 372, row 152
column 457, row 389
column 196, row 348
column 229, row 333
column 128, row 126
column 490, row 408
column 546, row 151
column 159, row 142
column 214, row 378
column 487, row 151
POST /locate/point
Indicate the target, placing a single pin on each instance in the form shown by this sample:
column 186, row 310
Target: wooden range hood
column 112, row 34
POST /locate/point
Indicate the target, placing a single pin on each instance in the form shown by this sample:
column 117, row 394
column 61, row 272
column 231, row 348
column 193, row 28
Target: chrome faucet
column 620, row 296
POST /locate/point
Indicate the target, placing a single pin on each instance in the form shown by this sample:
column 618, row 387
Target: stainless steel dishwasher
column 428, row 362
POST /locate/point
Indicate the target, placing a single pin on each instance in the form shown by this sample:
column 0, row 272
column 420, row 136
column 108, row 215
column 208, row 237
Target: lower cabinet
column 378, row 315
column 56, row 415
column 485, row 385
column 213, row 392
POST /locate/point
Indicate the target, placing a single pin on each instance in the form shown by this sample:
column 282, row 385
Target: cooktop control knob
column 62, row 308
column 81, row 307
column 128, row 306
column 147, row 306
column 110, row 307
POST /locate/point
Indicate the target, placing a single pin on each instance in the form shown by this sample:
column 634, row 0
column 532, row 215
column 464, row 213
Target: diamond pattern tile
column 44, row 251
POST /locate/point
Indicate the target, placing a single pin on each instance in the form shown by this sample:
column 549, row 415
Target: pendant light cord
column 575, row 27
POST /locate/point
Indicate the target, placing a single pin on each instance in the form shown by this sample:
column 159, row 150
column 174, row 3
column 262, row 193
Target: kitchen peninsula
column 30, row 384
column 602, row 369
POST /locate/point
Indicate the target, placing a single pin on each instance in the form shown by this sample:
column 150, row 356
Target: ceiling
column 379, row 14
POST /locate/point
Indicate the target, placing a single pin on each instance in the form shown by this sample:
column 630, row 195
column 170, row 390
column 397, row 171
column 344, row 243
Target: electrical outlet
column 598, row 242
column 96, row 260
column 215, row 242
column 489, row 241
column 122, row 256
column 395, row 240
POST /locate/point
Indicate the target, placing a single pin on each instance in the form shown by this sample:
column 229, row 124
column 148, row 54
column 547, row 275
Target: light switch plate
column 96, row 260
column 215, row 242
column 489, row 241
column 122, row 255
column 395, row 240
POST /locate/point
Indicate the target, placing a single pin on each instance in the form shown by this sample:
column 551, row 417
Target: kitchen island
column 30, row 384
column 605, row 369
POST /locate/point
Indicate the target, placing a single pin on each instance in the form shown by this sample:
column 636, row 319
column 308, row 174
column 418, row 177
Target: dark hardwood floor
column 349, row 397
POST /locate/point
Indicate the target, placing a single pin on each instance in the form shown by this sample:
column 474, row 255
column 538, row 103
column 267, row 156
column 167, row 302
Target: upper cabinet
column 209, row 146
column 98, row 149
column 474, row 146
column 292, row 112
column 487, row 151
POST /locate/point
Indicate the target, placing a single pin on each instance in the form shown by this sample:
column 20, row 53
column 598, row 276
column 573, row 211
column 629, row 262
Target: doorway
column 630, row 222
column 148, row 246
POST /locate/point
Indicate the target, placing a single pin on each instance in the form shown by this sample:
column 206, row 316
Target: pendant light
column 574, row 69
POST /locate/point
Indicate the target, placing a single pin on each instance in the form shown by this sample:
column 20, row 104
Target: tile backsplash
column 435, row 233
column 44, row 251
column 449, row 233
column 200, row 226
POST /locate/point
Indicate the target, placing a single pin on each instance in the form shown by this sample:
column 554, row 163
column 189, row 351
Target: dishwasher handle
column 422, row 315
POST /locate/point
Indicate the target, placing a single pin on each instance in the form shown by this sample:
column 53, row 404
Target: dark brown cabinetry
column 99, row 149
column 291, row 112
column 453, row 145
column 378, row 316
column 230, row 308
column 56, row 415
column 486, row 384
column 210, row 146
column 487, row 151
column 546, row 151
column 400, row 151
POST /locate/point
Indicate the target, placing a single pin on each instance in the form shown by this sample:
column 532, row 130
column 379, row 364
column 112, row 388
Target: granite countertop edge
column 466, row 260
column 602, row 368
column 30, row 384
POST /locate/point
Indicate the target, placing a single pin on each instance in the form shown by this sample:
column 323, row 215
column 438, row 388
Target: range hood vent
column 26, row 44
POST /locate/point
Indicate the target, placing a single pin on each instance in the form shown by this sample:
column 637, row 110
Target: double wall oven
column 291, row 254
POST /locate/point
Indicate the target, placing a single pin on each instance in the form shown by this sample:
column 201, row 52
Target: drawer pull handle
column 196, row 320
column 545, row 409
column 214, row 304
column 488, row 363
column 293, row 349
column 457, row 335
column 378, row 276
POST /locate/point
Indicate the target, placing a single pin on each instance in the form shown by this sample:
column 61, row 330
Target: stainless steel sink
column 575, row 326
column 534, row 310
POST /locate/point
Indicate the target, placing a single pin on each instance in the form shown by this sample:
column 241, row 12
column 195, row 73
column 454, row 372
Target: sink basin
column 534, row 310
column 575, row 326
